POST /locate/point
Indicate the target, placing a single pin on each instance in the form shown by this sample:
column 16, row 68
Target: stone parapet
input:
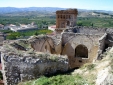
column 68, row 11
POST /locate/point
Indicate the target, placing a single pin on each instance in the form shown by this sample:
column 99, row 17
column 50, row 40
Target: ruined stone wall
column 109, row 38
column 57, row 48
column 42, row 44
column 88, row 30
column 49, row 44
column 71, row 40
column 102, row 43
column 17, row 68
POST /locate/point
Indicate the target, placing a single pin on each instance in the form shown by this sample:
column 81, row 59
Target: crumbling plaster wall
column 57, row 48
column 17, row 68
column 49, row 44
column 71, row 40
column 42, row 44
column 46, row 45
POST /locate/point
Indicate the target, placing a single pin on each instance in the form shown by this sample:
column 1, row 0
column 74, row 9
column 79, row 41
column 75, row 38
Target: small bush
column 91, row 66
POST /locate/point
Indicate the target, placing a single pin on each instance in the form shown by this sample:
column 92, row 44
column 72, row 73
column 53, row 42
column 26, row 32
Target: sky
column 81, row 4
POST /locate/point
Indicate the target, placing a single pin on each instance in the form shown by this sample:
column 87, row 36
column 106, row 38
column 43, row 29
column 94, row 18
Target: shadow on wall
column 81, row 51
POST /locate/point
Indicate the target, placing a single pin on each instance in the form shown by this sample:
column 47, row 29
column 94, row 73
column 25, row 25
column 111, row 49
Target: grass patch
column 59, row 80
column 24, row 43
column 88, row 66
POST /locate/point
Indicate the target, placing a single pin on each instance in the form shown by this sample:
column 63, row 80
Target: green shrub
column 88, row 66
column 91, row 66
column 59, row 80
column 15, row 35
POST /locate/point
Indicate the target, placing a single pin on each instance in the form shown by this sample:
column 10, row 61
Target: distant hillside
column 94, row 14
column 41, row 9
column 48, row 11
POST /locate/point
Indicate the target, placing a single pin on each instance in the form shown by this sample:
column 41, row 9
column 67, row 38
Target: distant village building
column 52, row 27
column 23, row 27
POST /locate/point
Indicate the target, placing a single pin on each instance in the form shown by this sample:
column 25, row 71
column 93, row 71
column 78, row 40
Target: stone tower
column 66, row 18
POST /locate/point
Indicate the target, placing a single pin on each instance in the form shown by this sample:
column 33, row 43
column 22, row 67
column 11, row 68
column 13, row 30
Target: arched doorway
column 81, row 51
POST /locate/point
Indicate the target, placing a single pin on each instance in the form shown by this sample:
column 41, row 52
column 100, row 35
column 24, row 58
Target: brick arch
column 81, row 51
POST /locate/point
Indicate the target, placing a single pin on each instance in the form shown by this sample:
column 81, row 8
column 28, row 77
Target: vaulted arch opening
column 81, row 51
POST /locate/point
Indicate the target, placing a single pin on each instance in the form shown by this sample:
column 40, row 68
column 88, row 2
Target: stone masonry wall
column 17, row 68
column 102, row 42
column 72, row 40
column 89, row 30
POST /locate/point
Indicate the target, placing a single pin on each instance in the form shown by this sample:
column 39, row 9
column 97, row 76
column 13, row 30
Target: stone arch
column 81, row 51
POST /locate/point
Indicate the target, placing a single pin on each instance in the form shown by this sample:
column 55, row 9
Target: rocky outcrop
column 105, row 70
column 105, row 77
column 17, row 68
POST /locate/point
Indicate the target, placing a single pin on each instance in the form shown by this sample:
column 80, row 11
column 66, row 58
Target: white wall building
column 23, row 27
column 52, row 27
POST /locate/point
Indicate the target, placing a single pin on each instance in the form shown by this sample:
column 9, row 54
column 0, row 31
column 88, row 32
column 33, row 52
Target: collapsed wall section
column 50, row 44
column 102, row 43
column 87, row 30
column 17, row 68
column 109, row 40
